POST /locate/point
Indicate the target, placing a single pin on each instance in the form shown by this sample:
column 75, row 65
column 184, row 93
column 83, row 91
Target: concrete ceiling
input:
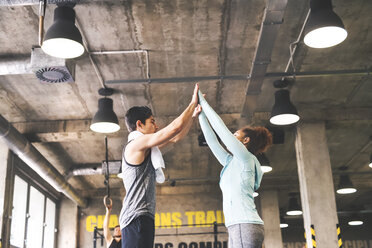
column 192, row 39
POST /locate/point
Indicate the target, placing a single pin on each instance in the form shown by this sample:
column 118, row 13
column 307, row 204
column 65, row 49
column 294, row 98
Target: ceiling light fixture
column 266, row 169
column 283, row 111
column 105, row 120
column 63, row 38
column 283, row 223
column 355, row 220
column 370, row 161
column 345, row 186
column 265, row 163
column 293, row 207
column 324, row 27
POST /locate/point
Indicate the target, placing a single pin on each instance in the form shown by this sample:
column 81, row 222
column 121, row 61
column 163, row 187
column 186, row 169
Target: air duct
column 46, row 68
column 84, row 172
column 33, row 158
column 96, row 169
column 50, row 69
column 15, row 65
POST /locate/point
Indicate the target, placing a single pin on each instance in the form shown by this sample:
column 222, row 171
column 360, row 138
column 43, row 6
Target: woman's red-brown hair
column 260, row 139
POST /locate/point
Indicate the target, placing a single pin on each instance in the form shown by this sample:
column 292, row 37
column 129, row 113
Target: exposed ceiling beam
column 272, row 20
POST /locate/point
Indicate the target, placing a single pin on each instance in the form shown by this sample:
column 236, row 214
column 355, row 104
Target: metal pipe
column 179, row 79
column 292, row 51
column 117, row 52
column 33, row 158
column 86, row 46
column 367, row 211
column 95, row 67
column 357, row 154
column 41, row 30
column 42, row 8
column 147, row 64
column 127, row 52
column 360, row 72
column 36, row 2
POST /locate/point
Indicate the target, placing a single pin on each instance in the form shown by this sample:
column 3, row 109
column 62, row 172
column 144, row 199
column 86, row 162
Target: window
column 50, row 214
column 17, row 232
column 33, row 217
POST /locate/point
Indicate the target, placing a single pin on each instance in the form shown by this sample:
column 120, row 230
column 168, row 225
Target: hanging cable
column 293, row 46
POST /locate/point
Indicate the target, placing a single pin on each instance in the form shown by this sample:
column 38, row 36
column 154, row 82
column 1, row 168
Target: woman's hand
column 197, row 111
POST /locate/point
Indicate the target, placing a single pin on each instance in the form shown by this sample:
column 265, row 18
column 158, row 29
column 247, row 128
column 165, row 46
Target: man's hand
column 194, row 99
column 106, row 230
column 108, row 203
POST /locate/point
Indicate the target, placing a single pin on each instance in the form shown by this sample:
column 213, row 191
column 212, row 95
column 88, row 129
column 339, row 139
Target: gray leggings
column 246, row 235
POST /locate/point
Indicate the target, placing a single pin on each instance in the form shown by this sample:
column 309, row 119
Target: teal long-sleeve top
column 241, row 174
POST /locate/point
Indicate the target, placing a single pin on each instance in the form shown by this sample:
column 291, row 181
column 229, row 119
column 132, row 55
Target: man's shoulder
column 130, row 153
column 132, row 147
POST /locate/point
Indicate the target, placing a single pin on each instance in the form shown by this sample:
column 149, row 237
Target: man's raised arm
column 106, row 229
column 164, row 135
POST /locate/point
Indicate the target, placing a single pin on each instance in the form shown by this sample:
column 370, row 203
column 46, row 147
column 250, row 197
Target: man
column 111, row 241
column 140, row 156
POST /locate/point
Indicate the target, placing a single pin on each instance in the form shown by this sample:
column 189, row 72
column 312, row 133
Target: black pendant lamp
column 324, row 27
column 293, row 207
column 283, row 111
column 63, row 38
column 105, row 120
column 345, row 186
column 355, row 220
column 283, row 223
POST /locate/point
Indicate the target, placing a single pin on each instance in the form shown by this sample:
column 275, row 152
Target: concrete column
column 271, row 216
column 316, row 184
column 68, row 228
column 4, row 153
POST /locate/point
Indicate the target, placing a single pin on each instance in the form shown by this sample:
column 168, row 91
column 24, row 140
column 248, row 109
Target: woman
column 240, row 177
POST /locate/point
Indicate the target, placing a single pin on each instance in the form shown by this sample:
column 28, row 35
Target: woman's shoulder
column 246, row 157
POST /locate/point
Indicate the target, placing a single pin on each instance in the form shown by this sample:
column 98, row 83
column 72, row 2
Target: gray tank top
column 139, row 183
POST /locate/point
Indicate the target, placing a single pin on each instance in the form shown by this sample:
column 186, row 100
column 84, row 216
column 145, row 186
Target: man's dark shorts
column 139, row 233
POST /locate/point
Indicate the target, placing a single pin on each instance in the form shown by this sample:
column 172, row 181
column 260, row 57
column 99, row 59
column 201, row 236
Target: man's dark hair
column 136, row 113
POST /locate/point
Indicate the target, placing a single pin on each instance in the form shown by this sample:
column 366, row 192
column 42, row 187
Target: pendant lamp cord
column 42, row 8
column 107, row 176
column 293, row 46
